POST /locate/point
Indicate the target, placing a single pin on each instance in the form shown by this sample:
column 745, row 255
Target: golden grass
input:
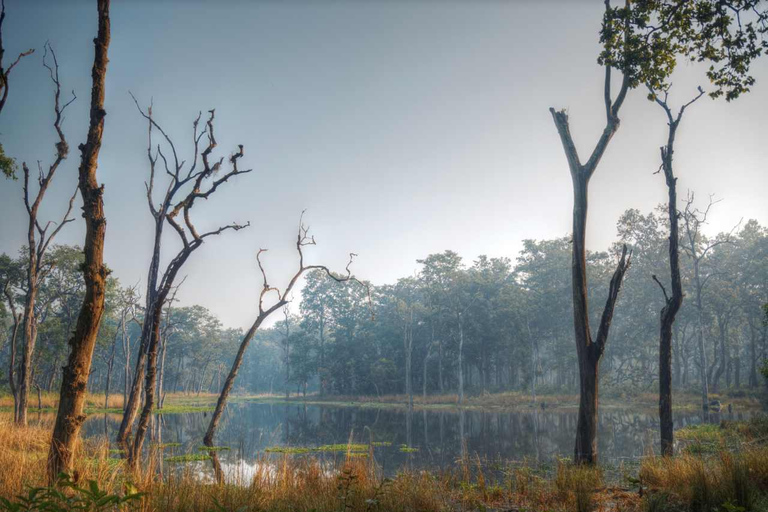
column 705, row 483
column 51, row 401
column 288, row 483
column 294, row 483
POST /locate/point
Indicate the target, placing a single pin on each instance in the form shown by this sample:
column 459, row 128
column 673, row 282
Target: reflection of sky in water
column 441, row 437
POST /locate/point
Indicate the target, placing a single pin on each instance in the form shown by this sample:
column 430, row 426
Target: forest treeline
column 507, row 324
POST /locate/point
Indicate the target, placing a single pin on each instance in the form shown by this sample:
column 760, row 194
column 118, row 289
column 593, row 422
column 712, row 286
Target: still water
column 422, row 439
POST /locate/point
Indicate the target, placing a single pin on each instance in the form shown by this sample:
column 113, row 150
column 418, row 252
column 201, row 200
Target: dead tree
column 697, row 247
column 39, row 239
column 166, row 211
column 589, row 349
column 177, row 213
column 6, row 71
column 303, row 239
column 286, row 348
column 167, row 330
column 17, row 321
column 671, row 303
column 74, row 382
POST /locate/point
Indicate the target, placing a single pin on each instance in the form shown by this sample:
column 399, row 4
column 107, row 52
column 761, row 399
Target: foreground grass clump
column 727, row 481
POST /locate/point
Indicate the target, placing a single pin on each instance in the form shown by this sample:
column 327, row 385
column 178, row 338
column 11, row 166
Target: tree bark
column 672, row 303
column 70, row 417
column 230, row 381
column 589, row 351
column 131, row 407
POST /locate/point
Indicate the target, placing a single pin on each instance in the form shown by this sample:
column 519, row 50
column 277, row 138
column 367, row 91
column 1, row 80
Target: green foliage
column 7, row 165
column 67, row 495
column 644, row 38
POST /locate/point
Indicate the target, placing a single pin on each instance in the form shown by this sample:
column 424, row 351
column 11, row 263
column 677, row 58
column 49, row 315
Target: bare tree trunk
column 408, row 348
column 671, row 304
column 17, row 321
column 301, row 241
column 753, row 356
column 700, row 335
column 70, row 417
column 110, row 364
column 131, row 407
column 230, row 381
column 461, row 363
column 161, row 379
column 589, row 351
column 149, row 387
column 723, row 358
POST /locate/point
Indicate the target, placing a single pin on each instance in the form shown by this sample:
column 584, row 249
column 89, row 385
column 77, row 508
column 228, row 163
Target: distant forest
column 493, row 324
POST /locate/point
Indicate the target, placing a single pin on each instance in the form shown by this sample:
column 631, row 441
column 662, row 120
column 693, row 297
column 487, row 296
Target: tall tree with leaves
column 642, row 40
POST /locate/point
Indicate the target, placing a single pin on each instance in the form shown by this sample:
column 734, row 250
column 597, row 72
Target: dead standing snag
column 70, row 416
column 38, row 236
column 183, row 190
column 303, row 239
column 671, row 303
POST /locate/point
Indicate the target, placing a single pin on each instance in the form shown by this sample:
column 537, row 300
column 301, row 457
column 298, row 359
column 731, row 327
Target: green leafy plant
column 67, row 495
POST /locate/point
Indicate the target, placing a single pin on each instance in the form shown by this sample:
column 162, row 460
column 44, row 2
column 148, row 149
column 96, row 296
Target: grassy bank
column 730, row 477
column 739, row 401
column 182, row 403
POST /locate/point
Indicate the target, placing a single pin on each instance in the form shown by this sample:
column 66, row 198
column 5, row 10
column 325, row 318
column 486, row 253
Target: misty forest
column 357, row 339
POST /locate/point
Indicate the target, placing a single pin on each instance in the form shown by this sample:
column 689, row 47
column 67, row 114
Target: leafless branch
column 303, row 239
column 663, row 290
column 6, row 71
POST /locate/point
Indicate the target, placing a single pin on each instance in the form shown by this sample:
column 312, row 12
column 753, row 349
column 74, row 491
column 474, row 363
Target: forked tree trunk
column 70, row 417
column 131, row 407
column 589, row 352
column 671, row 304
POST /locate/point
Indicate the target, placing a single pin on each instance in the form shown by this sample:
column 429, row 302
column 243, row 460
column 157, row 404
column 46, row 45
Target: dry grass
column 298, row 483
column 51, row 401
column 289, row 483
column 24, row 454
column 706, row 483
column 521, row 400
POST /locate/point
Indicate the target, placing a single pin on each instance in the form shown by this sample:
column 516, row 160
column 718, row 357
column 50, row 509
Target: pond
column 431, row 439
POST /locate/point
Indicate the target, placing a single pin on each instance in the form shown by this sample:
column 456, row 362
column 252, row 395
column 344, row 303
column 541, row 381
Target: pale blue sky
column 404, row 127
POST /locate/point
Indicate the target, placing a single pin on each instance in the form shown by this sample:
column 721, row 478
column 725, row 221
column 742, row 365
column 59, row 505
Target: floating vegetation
column 287, row 449
column 326, row 448
column 342, row 448
column 213, row 448
column 189, row 457
column 404, row 448
column 162, row 446
column 382, row 443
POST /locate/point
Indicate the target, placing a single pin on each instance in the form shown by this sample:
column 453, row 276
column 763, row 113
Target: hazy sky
column 403, row 127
